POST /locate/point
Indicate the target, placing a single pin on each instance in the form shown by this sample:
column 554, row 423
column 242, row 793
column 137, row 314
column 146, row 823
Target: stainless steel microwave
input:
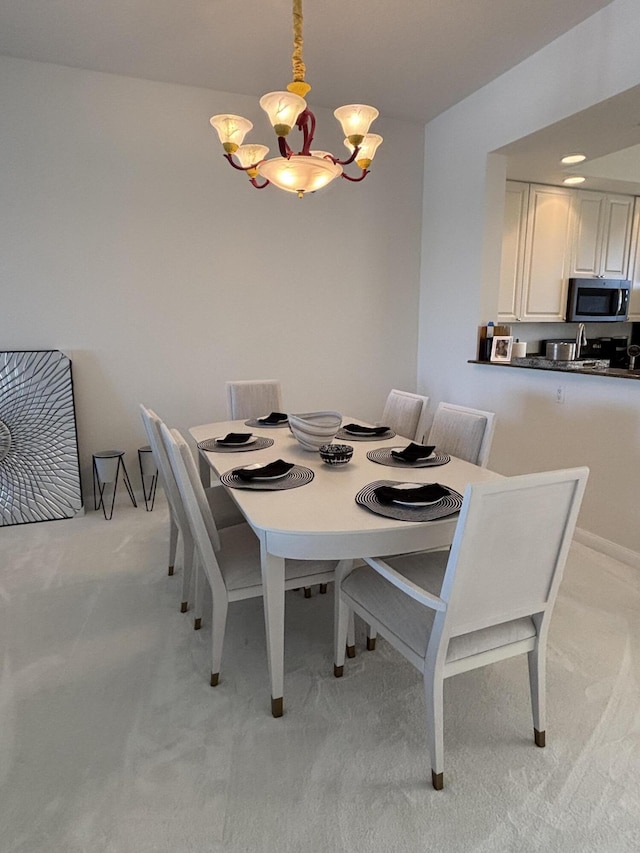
column 603, row 300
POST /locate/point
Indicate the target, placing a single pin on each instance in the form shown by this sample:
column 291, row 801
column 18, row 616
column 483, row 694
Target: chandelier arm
column 285, row 151
column 229, row 157
column 259, row 186
column 354, row 154
column 364, row 174
column 307, row 124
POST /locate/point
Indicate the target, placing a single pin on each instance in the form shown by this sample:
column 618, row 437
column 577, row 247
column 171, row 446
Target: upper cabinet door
column 587, row 239
column 616, row 238
column 547, row 253
column 634, row 272
column 602, row 236
column 512, row 263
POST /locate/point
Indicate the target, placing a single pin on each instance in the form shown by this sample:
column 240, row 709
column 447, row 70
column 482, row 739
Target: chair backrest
column 194, row 500
column 253, row 398
column 152, row 424
column 510, row 548
column 405, row 413
column 463, row 432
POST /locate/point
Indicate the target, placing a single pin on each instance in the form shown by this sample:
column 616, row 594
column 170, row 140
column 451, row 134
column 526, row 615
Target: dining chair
column 253, row 398
column 463, row 432
column 489, row 598
column 230, row 557
column 222, row 506
column 405, row 413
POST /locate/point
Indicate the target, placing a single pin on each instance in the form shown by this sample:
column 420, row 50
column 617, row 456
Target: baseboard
column 610, row 549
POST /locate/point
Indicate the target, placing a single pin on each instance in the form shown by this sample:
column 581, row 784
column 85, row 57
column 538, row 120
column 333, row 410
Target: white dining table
column 321, row 520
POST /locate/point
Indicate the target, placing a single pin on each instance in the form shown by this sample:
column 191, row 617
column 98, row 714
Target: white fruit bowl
column 313, row 429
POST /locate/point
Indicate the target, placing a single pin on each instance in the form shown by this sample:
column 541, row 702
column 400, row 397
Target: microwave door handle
column 619, row 309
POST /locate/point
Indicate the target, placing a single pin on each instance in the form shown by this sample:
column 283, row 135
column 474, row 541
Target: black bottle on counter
column 488, row 342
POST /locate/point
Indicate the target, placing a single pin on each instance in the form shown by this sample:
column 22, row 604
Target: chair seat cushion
column 410, row 621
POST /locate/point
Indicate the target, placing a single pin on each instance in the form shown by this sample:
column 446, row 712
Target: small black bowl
column 336, row 454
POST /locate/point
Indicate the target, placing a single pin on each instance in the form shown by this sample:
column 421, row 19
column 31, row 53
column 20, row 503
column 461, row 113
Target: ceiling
column 607, row 133
column 412, row 59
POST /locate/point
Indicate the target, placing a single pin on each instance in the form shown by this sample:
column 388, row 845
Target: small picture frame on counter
column 501, row 348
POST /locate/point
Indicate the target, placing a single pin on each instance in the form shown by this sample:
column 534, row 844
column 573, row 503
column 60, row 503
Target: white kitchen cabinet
column 547, row 252
column 512, row 262
column 535, row 253
column 634, row 266
column 602, row 235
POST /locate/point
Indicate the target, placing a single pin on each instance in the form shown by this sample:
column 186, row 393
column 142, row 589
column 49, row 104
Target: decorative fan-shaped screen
column 39, row 470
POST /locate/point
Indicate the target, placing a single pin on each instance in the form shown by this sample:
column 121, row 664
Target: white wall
column 599, row 424
column 127, row 241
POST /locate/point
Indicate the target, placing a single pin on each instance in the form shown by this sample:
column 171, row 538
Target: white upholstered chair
column 222, row 506
column 463, row 432
column 489, row 598
column 230, row 557
column 253, row 398
column 405, row 413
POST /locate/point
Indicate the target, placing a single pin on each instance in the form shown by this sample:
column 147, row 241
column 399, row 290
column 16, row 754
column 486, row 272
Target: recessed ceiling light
column 575, row 179
column 573, row 158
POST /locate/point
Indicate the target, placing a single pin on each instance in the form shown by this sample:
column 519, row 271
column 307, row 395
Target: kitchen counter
column 591, row 366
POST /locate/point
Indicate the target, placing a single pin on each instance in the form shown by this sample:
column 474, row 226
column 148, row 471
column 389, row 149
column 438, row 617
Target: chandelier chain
column 298, row 65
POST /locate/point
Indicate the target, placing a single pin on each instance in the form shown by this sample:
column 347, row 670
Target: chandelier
column 306, row 170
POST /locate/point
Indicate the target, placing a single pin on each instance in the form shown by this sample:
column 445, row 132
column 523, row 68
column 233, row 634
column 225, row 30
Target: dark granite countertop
column 592, row 366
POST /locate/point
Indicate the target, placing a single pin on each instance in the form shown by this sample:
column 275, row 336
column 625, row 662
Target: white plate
column 220, row 441
column 404, row 486
column 257, row 467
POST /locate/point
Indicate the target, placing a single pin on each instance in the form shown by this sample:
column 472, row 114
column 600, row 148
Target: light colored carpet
column 112, row 740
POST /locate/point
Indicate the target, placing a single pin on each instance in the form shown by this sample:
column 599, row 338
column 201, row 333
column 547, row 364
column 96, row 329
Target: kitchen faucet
column 581, row 339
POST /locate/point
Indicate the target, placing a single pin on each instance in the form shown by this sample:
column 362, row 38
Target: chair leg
column 187, row 569
column 537, row 678
column 198, row 580
column 351, row 635
column 433, row 690
column 307, row 592
column 371, row 638
column 343, row 617
column 323, row 589
column 218, row 625
column 173, row 542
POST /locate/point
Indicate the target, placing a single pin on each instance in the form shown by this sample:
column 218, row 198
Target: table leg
column 273, row 598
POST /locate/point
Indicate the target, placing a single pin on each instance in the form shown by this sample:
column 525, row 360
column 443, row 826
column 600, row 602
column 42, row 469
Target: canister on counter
column 519, row 349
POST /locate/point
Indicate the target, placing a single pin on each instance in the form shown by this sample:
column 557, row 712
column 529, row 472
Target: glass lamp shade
column 249, row 155
column 367, row 150
column 231, row 130
column 355, row 120
column 300, row 173
column 322, row 155
column 283, row 108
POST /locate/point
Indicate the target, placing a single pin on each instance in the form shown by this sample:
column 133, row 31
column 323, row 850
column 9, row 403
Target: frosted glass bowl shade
column 314, row 429
column 300, row 173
